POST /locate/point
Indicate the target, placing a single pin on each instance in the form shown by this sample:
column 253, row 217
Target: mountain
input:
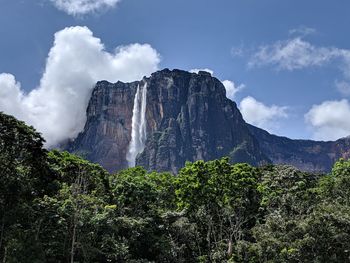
column 175, row 116
column 187, row 117
column 306, row 155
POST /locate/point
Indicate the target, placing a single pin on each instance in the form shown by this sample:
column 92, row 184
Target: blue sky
column 292, row 58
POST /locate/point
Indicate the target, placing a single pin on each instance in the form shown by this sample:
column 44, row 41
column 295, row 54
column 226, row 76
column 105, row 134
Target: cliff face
column 188, row 118
column 306, row 155
column 106, row 135
column 175, row 116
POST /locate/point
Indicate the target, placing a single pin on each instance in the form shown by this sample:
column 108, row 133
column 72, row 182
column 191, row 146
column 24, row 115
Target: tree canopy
column 58, row 207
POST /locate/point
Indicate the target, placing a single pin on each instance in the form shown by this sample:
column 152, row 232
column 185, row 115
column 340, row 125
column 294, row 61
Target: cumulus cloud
column 82, row 7
column 196, row 70
column 75, row 62
column 261, row 115
column 11, row 95
column 232, row 88
column 329, row 120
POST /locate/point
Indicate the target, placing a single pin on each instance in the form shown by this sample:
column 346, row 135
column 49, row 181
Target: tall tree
column 222, row 199
column 23, row 175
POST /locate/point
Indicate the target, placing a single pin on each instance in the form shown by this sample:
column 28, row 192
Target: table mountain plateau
column 175, row 116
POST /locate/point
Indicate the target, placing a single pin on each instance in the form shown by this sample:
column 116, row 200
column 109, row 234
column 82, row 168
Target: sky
column 286, row 63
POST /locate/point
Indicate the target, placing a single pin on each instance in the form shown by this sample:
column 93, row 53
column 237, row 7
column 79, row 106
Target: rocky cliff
column 107, row 131
column 175, row 116
column 306, row 155
column 187, row 118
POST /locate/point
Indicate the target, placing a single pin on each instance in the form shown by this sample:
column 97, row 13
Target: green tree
column 136, row 194
column 287, row 189
column 23, row 176
column 305, row 216
column 223, row 200
column 83, row 195
column 336, row 185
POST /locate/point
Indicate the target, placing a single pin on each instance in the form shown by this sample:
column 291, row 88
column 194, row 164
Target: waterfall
column 138, row 125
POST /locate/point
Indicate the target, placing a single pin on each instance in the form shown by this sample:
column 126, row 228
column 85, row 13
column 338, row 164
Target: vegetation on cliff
column 57, row 207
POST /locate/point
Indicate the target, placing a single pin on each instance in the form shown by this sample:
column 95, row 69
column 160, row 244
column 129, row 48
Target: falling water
column 138, row 128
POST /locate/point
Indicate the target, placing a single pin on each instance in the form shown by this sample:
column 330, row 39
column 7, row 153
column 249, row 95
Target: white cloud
column 75, row 62
column 11, row 95
column 82, row 7
column 343, row 87
column 329, row 120
column 237, row 51
column 196, row 70
column 232, row 88
column 257, row 113
column 295, row 53
column 302, row 30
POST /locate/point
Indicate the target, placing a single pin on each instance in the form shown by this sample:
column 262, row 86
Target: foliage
column 222, row 200
column 24, row 176
column 57, row 207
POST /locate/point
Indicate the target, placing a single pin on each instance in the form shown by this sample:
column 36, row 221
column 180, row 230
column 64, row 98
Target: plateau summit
column 175, row 116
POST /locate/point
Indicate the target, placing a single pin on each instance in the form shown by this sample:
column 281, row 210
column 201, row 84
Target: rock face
column 187, row 118
column 106, row 135
column 306, row 155
column 190, row 119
